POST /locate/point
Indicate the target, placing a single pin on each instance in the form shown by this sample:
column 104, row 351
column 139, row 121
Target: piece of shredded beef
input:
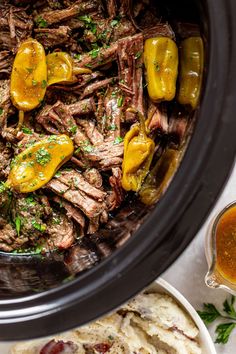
column 61, row 231
column 15, row 25
column 5, row 159
column 52, row 37
column 77, row 9
column 6, row 62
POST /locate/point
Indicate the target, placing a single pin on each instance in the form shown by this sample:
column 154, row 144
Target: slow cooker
column 42, row 295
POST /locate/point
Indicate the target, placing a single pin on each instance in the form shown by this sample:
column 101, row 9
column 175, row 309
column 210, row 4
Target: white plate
column 161, row 286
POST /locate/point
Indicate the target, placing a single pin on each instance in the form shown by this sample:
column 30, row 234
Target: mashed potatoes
column 150, row 323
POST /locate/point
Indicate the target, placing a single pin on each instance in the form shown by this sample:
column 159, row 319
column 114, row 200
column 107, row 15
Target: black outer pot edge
column 77, row 302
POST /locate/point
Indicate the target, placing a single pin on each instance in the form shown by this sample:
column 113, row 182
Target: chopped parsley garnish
column 40, row 22
column 114, row 23
column 30, row 200
column 88, row 148
column 1, row 111
column 85, row 18
column 58, row 174
column 18, row 224
column 94, row 53
column 120, row 101
column 30, row 70
column 73, row 129
column 34, row 82
column 44, row 84
column 43, row 156
column 52, row 138
column 56, row 221
column 38, row 226
column 112, row 127
column 89, row 24
column 88, row 65
column 118, row 140
column 26, row 130
column 77, row 56
column 138, row 55
column 3, row 187
column 77, row 151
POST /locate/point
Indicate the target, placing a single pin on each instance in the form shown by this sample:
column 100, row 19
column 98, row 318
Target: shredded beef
column 5, row 159
column 78, row 8
column 6, row 61
column 51, row 37
column 61, row 231
column 15, row 25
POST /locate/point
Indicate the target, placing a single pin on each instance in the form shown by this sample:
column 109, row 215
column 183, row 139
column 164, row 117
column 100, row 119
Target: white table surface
column 187, row 273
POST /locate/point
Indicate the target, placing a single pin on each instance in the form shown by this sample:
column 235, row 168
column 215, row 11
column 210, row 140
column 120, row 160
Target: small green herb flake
column 26, row 130
column 40, row 22
column 58, row 174
column 43, row 156
column 38, row 249
column 120, row 101
column 30, row 200
column 1, row 111
column 44, row 84
column 85, row 18
column 30, row 70
column 114, row 23
column 94, row 53
column 3, row 187
column 138, row 55
column 77, row 56
column 34, row 82
column 112, row 127
column 38, row 226
column 77, row 151
column 73, row 129
column 118, row 140
column 88, row 148
column 18, row 224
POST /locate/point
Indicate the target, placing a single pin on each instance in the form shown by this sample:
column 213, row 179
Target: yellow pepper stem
column 80, row 71
column 21, row 119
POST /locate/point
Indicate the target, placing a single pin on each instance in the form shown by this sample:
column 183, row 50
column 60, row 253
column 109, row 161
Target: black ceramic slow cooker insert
column 40, row 295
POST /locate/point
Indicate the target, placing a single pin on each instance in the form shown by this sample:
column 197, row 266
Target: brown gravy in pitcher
column 226, row 245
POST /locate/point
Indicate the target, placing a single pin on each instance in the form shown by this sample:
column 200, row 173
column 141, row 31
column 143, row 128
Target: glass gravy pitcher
column 215, row 278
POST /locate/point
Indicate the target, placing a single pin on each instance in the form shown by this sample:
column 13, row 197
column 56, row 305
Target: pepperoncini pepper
column 159, row 178
column 36, row 165
column 161, row 62
column 61, row 68
column 138, row 154
column 191, row 71
column 28, row 77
